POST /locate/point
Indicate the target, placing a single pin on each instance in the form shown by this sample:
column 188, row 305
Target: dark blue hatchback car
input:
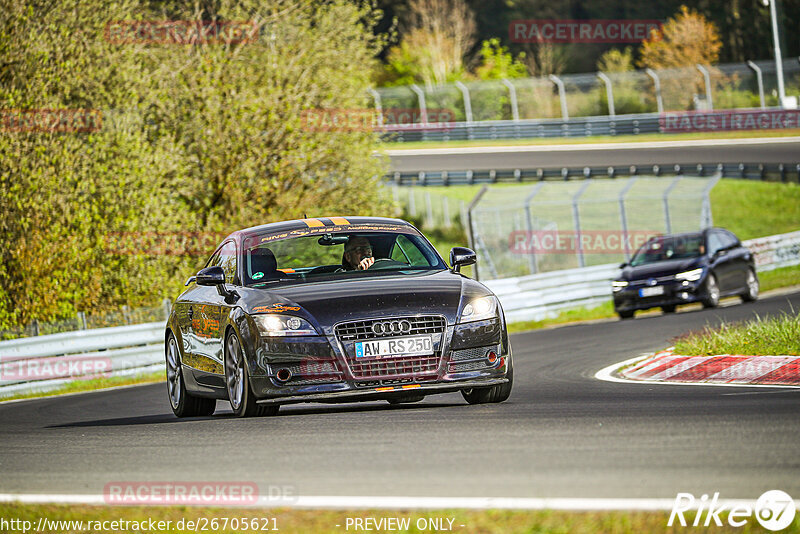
column 681, row 268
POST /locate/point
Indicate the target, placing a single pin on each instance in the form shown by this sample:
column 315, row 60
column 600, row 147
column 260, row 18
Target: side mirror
column 210, row 276
column 623, row 265
column 460, row 257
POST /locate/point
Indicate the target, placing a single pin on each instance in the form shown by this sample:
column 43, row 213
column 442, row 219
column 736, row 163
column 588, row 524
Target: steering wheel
column 385, row 263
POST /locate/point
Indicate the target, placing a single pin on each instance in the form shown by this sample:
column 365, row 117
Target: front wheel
column 711, row 298
column 498, row 393
column 240, row 395
column 183, row 404
column 751, row 293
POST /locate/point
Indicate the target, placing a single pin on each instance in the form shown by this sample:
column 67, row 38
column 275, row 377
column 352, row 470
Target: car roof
column 334, row 223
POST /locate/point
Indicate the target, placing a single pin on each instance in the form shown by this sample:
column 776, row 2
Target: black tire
column 751, row 290
column 182, row 403
column 668, row 309
column 626, row 314
column 711, row 292
column 237, row 382
column 498, row 393
column 406, row 399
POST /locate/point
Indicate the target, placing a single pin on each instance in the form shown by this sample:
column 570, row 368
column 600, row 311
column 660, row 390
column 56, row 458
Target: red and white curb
column 666, row 367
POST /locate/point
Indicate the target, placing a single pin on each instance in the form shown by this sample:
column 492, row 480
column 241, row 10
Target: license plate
column 651, row 291
column 398, row 346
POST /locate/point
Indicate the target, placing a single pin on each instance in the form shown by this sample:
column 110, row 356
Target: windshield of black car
column 327, row 256
column 669, row 248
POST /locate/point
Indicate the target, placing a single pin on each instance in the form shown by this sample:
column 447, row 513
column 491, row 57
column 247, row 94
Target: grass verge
column 603, row 311
column 92, row 385
column 335, row 521
column 643, row 138
column 773, row 336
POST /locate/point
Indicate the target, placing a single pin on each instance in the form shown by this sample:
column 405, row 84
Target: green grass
column 755, row 209
column 783, row 277
column 603, row 311
column 772, row 336
column 643, row 138
column 326, row 521
column 92, row 385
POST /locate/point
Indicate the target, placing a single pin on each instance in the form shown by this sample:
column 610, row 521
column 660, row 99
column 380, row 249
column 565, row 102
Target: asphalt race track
column 562, row 433
column 785, row 150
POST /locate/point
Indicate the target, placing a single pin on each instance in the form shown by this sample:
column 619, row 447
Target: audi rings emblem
column 391, row 327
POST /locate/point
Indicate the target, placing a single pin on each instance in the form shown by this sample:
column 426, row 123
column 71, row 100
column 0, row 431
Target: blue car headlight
column 690, row 276
column 479, row 309
column 283, row 325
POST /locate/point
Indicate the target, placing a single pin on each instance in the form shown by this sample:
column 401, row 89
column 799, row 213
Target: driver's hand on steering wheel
column 366, row 263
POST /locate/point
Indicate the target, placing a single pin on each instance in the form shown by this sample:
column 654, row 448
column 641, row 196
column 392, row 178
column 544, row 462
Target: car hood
column 331, row 302
column 661, row 268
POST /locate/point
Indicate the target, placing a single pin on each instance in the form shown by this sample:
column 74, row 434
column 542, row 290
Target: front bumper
column 388, row 392
column 322, row 368
column 675, row 293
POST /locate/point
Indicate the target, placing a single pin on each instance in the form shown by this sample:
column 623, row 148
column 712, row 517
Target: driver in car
column 357, row 254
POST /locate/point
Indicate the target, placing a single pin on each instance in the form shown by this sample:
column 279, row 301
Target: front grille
column 395, row 367
column 469, row 366
column 470, row 354
column 362, row 330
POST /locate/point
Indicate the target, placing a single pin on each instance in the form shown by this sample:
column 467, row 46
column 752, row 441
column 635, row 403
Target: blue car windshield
column 333, row 256
column 669, row 248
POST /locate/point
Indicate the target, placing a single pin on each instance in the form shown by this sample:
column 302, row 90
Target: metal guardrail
column 44, row 363
column 538, row 296
column 780, row 172
column 139, row 349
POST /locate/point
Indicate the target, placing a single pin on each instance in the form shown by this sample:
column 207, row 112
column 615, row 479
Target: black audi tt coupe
column 333, row 310
column 678, row 269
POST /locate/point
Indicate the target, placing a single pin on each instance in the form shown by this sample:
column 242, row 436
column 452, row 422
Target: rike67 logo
column 774, row 510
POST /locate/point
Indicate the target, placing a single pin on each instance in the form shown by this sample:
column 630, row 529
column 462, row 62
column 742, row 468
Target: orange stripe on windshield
column 313, row 223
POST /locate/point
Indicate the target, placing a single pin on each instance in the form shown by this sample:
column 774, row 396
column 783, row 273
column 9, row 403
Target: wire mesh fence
column 549, row 226
column 729, row 86
column 82, row 321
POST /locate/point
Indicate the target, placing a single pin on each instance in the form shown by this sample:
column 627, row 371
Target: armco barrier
column 39, row 364
column 139, row 349
column 538, row 296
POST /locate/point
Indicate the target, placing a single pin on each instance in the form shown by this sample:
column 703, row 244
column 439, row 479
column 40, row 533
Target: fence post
column 512, row 93
column 167, row 308
column 429, row 210
column 35, row 327
column 562, row 95
column 81, row 320
column 423, row 108
column 576, row 218
column 377, row 98
column 529, row 223
column 706, row 218
column 609, row 93
column 707, row 78
column 760, row 80
column 624, row 216
column 657, row 85
column 471, row 233
column 446, row 211
column 665, row 202
column 412, row 203
column 467, row 101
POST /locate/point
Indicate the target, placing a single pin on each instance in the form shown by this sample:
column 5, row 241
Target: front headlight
column 478, row 309
column 283, row 325
column 691, row 276
column 618, row 285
